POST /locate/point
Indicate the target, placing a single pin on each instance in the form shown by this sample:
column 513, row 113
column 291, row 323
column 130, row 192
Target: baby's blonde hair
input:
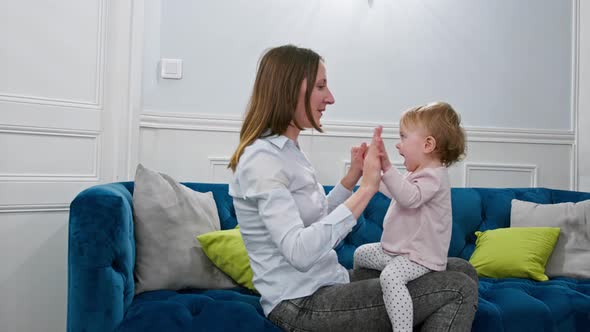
column 440, row 121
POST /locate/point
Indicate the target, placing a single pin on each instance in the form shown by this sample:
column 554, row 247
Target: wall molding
column 101, row 37
column 194, row 122
column 575, row 92
column 39, row 177
column 197, row 122
column 214, row 164
column 135, row 88
column 43, row 101
column 49, row 131
column 520, row 168
column 64, row 102
column 33, row 208
column 397, row 164
column 47, row 177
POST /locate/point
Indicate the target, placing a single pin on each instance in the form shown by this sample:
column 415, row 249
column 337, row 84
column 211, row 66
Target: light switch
column 171, row 68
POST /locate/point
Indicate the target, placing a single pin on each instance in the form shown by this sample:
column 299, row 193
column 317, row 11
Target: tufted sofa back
column 481, row 209
column 474, row 209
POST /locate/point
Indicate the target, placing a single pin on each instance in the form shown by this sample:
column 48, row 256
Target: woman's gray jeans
column 443, row 301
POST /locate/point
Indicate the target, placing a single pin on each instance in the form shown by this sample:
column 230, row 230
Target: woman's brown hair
column 274, row 96
column 440, row 121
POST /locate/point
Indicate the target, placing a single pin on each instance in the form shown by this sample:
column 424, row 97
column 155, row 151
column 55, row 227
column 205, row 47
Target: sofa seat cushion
column 196, row 310
column 511, row 304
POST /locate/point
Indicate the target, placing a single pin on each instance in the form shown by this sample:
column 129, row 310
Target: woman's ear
column 429, row 144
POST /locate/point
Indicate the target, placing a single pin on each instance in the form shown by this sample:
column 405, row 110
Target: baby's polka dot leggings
column 396, row 272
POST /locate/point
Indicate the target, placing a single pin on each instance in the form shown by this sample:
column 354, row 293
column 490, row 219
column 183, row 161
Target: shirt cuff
column 340, row 193
column 342, row 222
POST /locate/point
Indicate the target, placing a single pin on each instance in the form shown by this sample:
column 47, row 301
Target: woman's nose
column 329, row 98
column 397, row 146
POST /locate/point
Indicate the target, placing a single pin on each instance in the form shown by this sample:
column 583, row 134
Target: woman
column 290, row 226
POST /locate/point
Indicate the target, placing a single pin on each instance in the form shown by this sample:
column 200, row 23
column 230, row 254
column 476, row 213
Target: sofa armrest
column 101, row 258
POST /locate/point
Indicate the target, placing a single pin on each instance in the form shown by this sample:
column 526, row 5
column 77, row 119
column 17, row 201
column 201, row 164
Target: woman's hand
column 357, row 156
column 371, row 177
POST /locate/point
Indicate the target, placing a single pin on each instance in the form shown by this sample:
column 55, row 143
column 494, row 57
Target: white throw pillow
column 167, row 218
column 571, row 256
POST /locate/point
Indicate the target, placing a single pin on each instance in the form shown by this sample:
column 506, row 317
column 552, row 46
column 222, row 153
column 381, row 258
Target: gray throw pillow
column 571, row 255
column 167, row 217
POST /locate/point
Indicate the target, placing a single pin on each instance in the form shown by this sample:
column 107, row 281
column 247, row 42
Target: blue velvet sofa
column 102, row 253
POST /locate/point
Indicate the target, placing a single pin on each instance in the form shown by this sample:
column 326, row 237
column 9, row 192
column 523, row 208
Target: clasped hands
column 369, row 161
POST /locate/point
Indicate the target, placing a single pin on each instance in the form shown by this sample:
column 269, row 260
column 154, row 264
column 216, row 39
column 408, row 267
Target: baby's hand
column 372, row 165
column 385, row 162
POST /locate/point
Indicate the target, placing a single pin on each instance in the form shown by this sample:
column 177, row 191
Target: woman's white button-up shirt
column 288, row 224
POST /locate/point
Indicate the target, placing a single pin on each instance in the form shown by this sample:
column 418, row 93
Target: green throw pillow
column 227, row 251
column 520, row 252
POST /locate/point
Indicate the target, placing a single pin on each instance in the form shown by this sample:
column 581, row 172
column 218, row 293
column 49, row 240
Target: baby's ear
column 429, row 144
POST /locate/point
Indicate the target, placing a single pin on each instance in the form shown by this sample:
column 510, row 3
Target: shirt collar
column 277, row 140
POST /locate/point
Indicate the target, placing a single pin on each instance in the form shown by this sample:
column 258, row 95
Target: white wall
column 584, row 98
column 64, row 94
column 507, row 66
column 500, row 63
